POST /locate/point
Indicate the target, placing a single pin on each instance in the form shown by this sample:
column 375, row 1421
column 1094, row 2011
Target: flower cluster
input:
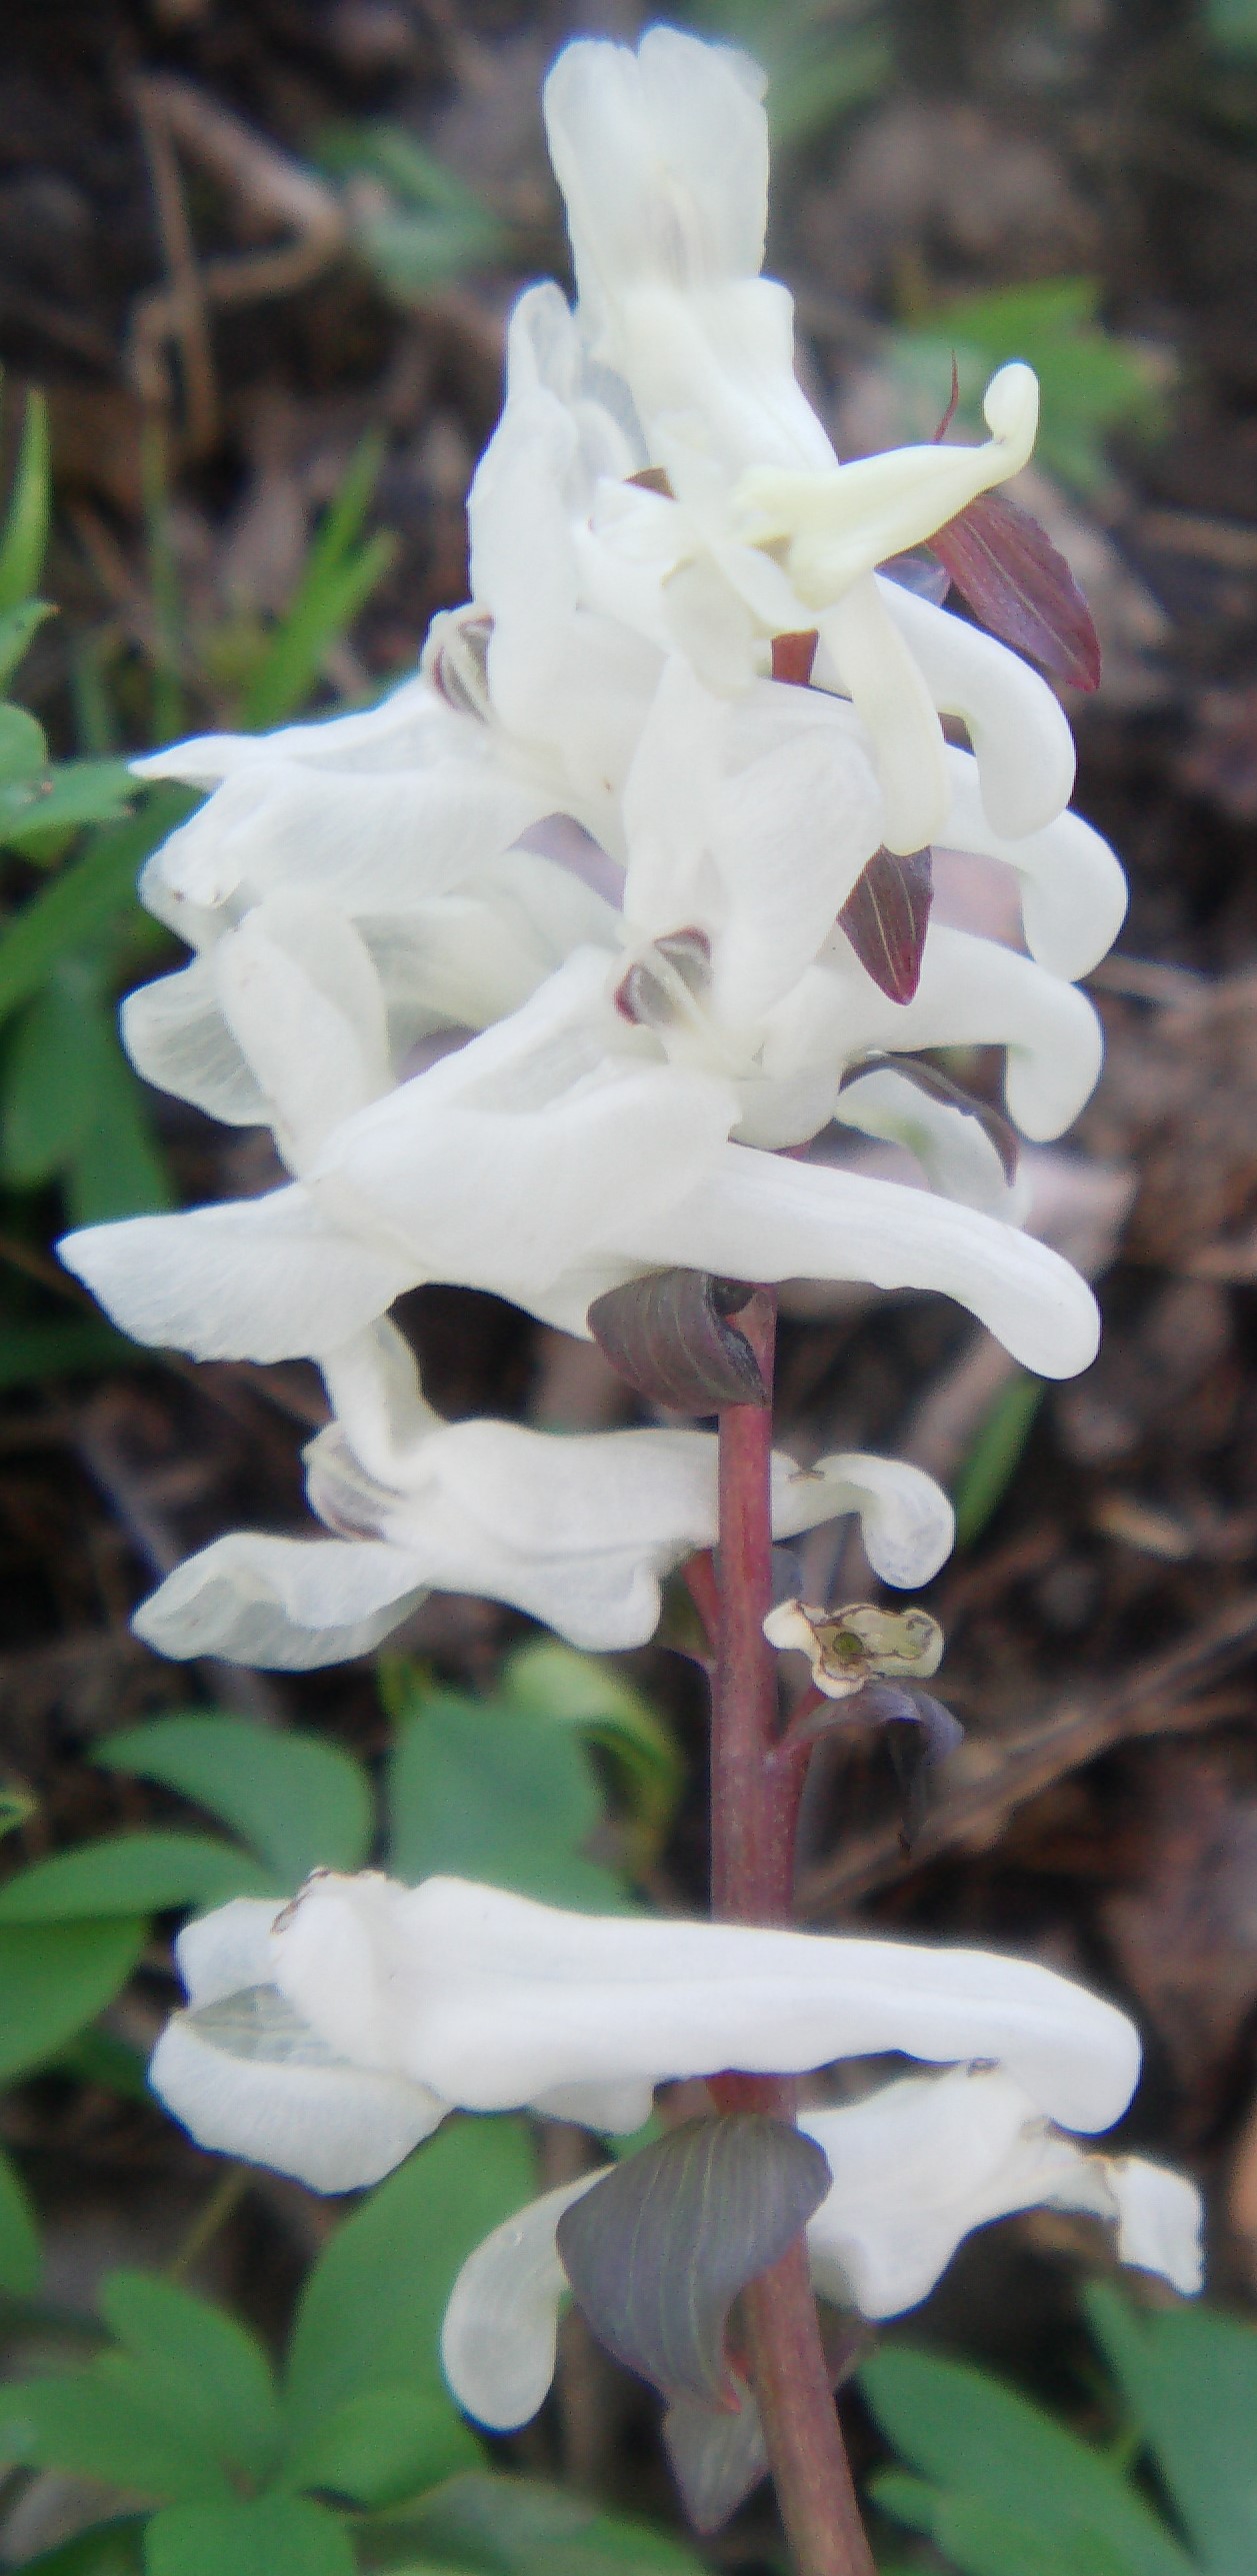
column 534, row 970
column 571, row 964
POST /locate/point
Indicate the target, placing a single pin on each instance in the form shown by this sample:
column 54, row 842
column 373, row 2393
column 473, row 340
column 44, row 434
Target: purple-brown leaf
column 1019, row 585
column 672, row 1337
column 717, row 2458
column 886, row 916
column 657, row 2252
column 793, row 656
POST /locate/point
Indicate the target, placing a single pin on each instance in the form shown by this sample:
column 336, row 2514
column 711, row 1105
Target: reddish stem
column 754, row 1802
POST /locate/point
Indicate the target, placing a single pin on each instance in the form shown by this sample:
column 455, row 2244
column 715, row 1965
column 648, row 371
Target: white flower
column 327, row 2038
column 577, row 1532
column 662, row 158
column 916, row 2167
column 553, row 1158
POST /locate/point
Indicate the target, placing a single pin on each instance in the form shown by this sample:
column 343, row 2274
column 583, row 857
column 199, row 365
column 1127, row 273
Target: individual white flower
column 577, row 1532
column 916, row 2168
column 328, row 2037
column 551, row 1159
column 662, row 158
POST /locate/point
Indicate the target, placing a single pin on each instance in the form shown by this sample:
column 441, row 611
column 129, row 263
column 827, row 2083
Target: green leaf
column 339, row 576
column 370, row 2314
column 21, row 2254
column 17, row 626
column 25, row 535
column 302, row 1803
column 54, row 1977
column 117, row 1168
column 31, row 1352
column 56, row 1065
column 74, row 793
column 23, row 751
column 992, row 1460
column 983, row 2542
column 106, row 2549
column 261, row 2536
column 83, row 897
column 981, row 2440
column 98, row 2057
column 1190, row 2379
column 383, row 2446
column 108, row 2422
column 489, row 1789
column 497, row 2526
column 215, row 2375
column 584, row 1692
column 132, row 1873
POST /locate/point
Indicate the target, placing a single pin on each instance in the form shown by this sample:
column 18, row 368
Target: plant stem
column 752, row 1874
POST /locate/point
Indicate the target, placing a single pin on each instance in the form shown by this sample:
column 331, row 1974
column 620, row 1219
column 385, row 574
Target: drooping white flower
column 577, row 1532
column 327, row 2038
column 553, row 1158
column 916, row 2168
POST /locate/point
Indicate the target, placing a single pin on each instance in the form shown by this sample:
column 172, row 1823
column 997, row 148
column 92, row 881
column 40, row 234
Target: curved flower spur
column 543, row 975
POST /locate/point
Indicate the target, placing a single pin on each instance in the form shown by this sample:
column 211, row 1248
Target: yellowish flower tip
column 1010, row 408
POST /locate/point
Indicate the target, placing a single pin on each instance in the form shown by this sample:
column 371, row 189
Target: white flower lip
column 916, row 2167
column 484, row 2001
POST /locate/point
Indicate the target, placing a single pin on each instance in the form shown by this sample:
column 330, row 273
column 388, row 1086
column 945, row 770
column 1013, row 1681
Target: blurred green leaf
column 258, row 2536
column 562, row 1688
column 99, row 2057
column 822, row 59
column 25, row 534
column 491, row 1789
column 17, row 626
column 1231, row 27
column 992, row 1460
column 131, row 1873
column 214, row 2373
column 74, row 793
column 31, row 1353
column 23, row 751
column 383, row 2446
column 1092, row 382
column 1002, row 2457
column 21, row 2255
column 54, row 1977
column 107, row 2549
column 303, row 1804
column 436, row 229
column 56, row 1066
column 17, row 1806
column 499, row 2526
column 116, row 1168
column 107, row 2421
column 1189, row 2377
column 370, row 2314
column 986, row 2542
column 84, row 896
column 340, row 574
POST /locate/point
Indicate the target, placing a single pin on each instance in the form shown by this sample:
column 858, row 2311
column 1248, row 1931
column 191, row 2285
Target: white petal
column 907, row 1522
column 285, row 1604
column 1019, row 732
column 261, row 1279
column 790, row 836
column 921, row 2164
column 873, row 663
column 328, row 2124
column 1073, row 892
column 974, row 992
column 227, row 1950
column 1158, row 2221
column 949, row 1142
column 762, row 1216
column 176, row 1036
column 395, row 730
column 498, row 2339
column 304, row 1002
column 840, row 524
column 491, row 2000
